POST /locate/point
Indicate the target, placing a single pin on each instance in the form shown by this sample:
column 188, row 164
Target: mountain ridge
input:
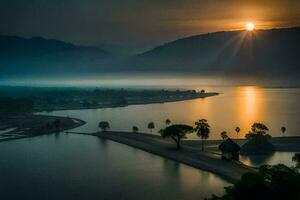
column 38, row 55
column 238, row 52
column 261, row 52
column 216, row 32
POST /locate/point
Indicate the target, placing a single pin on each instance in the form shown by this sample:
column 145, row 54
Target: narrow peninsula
column 208, row 161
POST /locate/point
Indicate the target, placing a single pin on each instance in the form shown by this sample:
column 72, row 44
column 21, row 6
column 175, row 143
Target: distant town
column 41, row 99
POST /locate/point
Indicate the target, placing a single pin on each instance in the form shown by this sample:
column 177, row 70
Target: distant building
column 230, row 150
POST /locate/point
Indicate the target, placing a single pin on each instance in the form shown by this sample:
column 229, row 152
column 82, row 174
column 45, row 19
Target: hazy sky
column 139, row 24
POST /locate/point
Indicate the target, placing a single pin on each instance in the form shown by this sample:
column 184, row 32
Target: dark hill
column 274, row 51
column 38, row 55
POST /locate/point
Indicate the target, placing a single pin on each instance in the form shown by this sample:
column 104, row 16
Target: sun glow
column 250, row 26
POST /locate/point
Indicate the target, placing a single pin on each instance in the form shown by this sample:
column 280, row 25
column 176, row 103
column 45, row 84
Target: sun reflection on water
column 235, row 106
column 249, row 106
column 250, row 103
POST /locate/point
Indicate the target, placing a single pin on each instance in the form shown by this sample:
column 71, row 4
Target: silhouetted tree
column 151, row 126
column 224, row 135
column 176, row 132
column 202, row 129
column 104, row 125
column 258, row 142
column 237, row 130
column 168, row 122
column 258, row 129
column 283, row 129
column 135, row 129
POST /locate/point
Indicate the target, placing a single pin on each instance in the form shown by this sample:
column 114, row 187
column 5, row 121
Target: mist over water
column 242, row 101
column 147, row 80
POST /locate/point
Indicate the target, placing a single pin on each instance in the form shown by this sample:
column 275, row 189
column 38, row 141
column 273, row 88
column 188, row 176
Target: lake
column 235, row 106
column 67, row 166
column 273, row 159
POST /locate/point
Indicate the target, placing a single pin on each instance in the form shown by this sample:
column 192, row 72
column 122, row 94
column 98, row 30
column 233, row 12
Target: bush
column 135, row 129
column 104, row 125
column 277, row 182
column 257, row 145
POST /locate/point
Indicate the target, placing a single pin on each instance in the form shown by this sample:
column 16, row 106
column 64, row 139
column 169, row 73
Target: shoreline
column 76, row 124
column 230, row 171
column 81, row 122
column 144, row 102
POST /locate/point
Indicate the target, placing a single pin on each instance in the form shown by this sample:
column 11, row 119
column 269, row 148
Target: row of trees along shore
column 177, row 132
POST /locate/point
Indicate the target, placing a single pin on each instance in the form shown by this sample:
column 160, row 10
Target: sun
column 250, row 26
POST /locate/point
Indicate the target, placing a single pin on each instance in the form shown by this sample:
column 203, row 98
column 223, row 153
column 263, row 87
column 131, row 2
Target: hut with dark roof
column 230, row 150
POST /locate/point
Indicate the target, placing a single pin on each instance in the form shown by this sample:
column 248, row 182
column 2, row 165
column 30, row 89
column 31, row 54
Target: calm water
column 236, row 106
column 67, row 166
column 276, row 158
column 85, row 167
